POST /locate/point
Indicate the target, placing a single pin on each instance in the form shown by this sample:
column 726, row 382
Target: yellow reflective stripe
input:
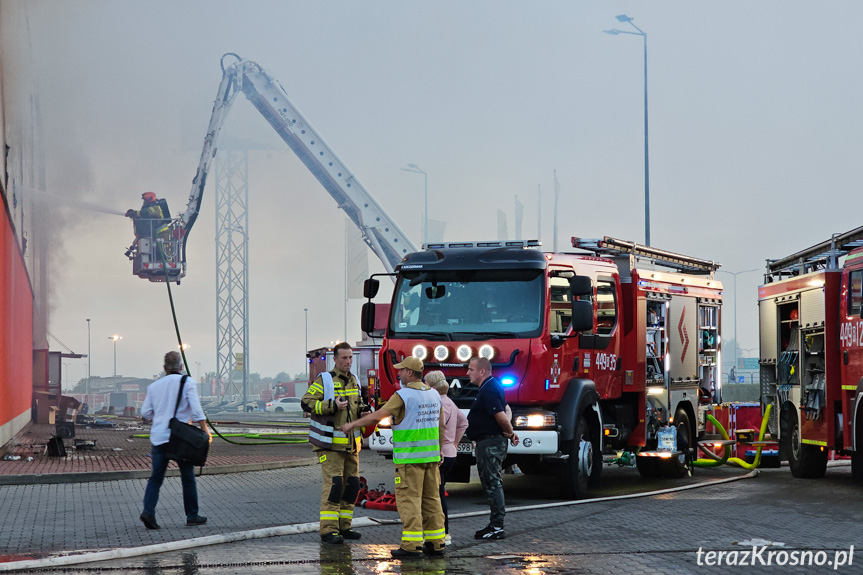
column 346, row 513
column 318, row 405
column 343, row 440
column 329, row 514
column 412, row 535
column 436, row 534
column 814, row 442
column 316, row 387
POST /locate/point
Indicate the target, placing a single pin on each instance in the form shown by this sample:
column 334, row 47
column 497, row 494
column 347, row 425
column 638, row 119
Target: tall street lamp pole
column 734, row 289
column 116, row 338
column 640, row 32
column 306, row 311
column 417, row 170
column 89, row 363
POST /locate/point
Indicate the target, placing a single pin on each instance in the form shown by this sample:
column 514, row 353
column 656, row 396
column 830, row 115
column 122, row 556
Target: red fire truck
column 616, row 348
column 811, row 359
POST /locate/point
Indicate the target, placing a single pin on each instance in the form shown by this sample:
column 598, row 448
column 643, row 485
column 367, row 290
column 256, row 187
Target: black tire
column 676, row 467
column 648, row 467
column 857, row 467
column 857, row 456
column 279, row 410
column 805, row 461
column 576, row 477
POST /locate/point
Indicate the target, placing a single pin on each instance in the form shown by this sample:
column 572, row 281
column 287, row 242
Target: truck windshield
column 468, row 304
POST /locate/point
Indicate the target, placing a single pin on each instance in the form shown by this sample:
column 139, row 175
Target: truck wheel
column 857, row 455
column 675, row 467
column 857, row 467
column 648, row 467
column 583, row 466
column 805, row 461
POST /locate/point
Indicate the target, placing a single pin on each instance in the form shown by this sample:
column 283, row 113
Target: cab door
column 851, row 345
column 600, row 349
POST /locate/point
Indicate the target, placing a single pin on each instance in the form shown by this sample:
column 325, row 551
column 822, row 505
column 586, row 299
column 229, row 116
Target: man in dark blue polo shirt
column 491, row 429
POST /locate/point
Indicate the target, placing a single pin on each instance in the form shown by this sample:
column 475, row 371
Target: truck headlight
column 535, row 420
column 441, row 352
column 420, row 352
column 463, row 353
column 486, row 351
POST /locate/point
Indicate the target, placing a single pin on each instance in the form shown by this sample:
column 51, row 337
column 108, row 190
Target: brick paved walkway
column 116, row 450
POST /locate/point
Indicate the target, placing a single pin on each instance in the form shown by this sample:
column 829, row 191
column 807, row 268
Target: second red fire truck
column 811, row 359
column 615, row 348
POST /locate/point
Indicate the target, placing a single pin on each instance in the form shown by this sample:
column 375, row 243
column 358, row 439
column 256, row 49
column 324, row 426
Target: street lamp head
column 115, row 337
column 623, row 18
column 612, row 32
column 414, row 166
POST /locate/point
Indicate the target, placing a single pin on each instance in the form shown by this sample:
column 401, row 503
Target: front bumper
column 530, row 442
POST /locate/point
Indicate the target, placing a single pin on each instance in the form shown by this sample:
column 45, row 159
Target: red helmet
column 794, row 315
column 148, row 197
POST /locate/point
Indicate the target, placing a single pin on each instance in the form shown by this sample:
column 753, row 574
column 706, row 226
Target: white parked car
column 287, row 405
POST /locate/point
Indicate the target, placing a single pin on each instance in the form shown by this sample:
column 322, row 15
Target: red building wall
column 16, row 335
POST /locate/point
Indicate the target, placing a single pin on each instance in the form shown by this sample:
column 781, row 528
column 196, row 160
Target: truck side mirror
column 370, row 288
column 367, row 317
column 582, row 315
column 580, row 285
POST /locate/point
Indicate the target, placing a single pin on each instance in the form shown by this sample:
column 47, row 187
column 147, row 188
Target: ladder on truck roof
column 609, row 246
column 824, row 254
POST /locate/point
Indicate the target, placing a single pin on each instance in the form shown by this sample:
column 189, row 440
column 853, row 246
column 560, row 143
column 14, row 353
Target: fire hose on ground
column 716, row 460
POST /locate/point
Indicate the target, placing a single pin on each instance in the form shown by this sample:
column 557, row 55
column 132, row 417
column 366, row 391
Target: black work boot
column 333, row 538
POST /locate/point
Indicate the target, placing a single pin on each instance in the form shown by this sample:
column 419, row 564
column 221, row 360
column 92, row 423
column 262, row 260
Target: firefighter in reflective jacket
column 332, row 400
column 152, row 209
column 418, row 432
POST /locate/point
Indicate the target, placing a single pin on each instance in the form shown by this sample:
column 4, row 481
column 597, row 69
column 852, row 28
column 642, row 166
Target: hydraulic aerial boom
column 379, row 231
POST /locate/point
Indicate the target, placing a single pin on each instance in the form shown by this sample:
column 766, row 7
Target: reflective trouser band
column 346, row 513
column 400, row 460
column 436, row 534
column 412, row 535
column 329, row 515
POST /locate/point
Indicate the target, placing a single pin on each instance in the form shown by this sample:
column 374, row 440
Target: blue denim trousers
column 187, row 476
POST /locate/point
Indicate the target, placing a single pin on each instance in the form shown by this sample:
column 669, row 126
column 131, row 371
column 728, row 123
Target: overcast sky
column 755, row 146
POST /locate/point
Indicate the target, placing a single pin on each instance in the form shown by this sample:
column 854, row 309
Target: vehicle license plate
column 465, row 447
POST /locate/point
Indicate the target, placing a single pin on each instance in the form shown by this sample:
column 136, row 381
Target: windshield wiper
column 423, row 335
column 484, row 335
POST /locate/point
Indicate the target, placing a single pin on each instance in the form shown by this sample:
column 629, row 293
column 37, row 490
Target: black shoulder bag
column 188, row 443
